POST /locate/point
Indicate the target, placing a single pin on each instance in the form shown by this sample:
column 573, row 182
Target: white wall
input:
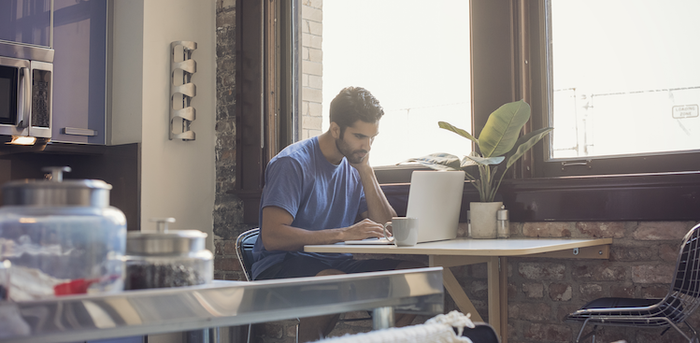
column 177, row 177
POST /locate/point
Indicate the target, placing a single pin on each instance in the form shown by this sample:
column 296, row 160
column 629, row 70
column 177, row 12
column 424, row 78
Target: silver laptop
column 435, row 200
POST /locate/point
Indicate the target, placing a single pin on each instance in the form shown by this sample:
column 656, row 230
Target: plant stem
column 485, row 173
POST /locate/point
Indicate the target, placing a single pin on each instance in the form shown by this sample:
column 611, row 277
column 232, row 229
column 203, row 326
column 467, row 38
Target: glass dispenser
column 61, row 237
column 503, row 223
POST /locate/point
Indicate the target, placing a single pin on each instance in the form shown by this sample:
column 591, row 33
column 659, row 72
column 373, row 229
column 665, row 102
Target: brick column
column 312, row 67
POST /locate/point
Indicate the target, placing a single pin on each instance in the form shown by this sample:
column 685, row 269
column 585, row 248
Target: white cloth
column 438, row 329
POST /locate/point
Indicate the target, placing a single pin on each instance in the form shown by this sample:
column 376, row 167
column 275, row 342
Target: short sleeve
column 284, row 183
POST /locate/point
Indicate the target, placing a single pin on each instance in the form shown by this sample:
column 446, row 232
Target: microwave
column 25, row 98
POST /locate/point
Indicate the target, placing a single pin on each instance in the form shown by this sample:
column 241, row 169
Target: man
column 322, row 190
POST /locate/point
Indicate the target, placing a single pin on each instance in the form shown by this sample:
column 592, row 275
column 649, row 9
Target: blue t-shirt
column 318, row 194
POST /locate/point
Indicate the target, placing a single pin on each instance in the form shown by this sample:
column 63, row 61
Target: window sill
column 632, row 197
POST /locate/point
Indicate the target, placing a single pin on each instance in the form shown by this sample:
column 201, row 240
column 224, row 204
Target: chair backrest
column 244, row 250
column 684, row 296
column 481, row 333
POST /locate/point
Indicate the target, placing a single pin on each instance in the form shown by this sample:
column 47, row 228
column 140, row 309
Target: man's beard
column 353, row 157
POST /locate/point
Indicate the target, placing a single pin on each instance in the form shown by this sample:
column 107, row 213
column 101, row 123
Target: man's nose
column 367, row 143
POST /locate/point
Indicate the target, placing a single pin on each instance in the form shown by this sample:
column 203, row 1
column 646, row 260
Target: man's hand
column 366, row 228
column 363, row 165
column 278, row 234
column 378, row 207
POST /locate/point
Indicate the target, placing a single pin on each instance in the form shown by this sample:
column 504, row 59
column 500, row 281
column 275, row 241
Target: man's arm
column 378, row 207
column 278, row 233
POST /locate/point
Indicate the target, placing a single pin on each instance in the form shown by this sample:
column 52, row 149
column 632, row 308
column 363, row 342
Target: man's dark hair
column 353, row 104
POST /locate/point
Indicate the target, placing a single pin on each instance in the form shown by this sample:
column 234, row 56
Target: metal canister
column 165, row 258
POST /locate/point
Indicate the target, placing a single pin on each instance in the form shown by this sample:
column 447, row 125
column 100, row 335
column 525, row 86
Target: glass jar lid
column 56, row 192
column 164, row 242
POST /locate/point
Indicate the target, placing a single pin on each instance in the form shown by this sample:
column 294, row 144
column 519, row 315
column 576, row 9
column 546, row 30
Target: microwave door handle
column 24, row 98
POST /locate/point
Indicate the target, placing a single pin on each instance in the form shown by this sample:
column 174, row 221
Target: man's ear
column 335, row 130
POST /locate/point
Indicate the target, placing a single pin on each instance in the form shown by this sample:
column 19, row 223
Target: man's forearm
column 289, row 238
column 278, row 233
column 379, row 208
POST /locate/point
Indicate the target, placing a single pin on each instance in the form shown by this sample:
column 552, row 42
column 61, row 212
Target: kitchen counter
column 219, row 304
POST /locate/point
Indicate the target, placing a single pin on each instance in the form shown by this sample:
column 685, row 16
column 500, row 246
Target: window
column 624, row 84
column 509, row 52
column 414, row 57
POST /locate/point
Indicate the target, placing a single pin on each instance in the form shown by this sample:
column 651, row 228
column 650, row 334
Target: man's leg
column 372, row 265
column 310, row 328
column 406, row 319
column 315, row 328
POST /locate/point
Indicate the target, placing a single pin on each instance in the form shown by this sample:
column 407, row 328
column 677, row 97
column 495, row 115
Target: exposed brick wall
column 228, row 211
column 542, row 291
column 312, row 68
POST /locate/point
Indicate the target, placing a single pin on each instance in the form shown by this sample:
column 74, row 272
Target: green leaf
column 487, row 160
column 503, row 128
column 450, row 127
column 439, row 161
column 467, row 162
column 525, row 143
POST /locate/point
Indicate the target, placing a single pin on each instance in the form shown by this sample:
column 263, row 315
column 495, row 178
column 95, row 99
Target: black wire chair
column 244, row 251
column 680, row 302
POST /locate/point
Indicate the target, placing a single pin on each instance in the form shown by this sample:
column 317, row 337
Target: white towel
column 438, row 329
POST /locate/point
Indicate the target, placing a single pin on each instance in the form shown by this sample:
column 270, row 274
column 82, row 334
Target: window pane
column 414, row 57
column 625, row 77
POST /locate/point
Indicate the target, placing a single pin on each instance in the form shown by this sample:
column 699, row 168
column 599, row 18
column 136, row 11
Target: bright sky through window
column 626, row 77
column 414, row 57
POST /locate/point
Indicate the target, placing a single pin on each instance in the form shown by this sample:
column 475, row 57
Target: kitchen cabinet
column 80, row 59
column 26, row 21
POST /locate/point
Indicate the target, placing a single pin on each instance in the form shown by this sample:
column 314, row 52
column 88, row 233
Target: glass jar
column 165, row 258
column 503, row 223
column 61, row 237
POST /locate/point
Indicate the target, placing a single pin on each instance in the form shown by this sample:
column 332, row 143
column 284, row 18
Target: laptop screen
column 435, row 200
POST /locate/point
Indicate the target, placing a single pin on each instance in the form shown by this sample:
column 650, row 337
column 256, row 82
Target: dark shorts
column 302, row 266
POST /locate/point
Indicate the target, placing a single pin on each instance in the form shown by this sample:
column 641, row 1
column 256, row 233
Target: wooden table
column 493, row 252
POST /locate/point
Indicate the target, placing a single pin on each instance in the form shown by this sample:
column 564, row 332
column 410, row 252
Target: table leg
column 503, row 280
column 497, row 278
column 383, row 318
column 494, row 297
column 457, row 293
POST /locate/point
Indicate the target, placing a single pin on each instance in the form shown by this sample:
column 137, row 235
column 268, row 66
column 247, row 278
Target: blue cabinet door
column 80, row 59
column 26, row 21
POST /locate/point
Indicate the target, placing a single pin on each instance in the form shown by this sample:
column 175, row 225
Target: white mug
column 404, row 230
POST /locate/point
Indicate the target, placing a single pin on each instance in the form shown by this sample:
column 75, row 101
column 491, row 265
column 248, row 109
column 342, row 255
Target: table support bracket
column 454, row 261
column 599, row 252
column 457, row 293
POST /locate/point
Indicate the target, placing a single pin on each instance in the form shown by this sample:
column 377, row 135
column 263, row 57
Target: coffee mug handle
column 385, row 235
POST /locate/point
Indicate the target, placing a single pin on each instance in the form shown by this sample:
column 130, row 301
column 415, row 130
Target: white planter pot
column 483, row 217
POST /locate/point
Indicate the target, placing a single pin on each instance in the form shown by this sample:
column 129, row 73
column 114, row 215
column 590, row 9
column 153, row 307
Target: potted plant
column 496, row 150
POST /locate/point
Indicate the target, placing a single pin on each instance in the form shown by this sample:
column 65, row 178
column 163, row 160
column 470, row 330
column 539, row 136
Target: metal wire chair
column 680, row 302
column 244, row 251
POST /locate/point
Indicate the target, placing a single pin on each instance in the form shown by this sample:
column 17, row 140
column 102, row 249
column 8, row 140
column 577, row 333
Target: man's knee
column 327, row 272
